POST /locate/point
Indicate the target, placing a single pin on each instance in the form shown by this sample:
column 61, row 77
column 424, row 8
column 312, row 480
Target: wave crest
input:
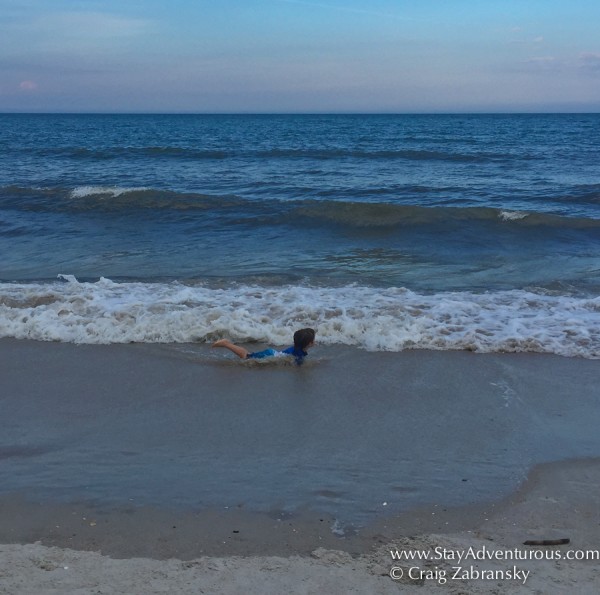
column 354, row 213
column 391, row 319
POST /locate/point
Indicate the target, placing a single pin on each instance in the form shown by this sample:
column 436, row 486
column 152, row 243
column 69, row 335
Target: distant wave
column 365, row 214
column 110, row 191
column 317, row 154
column 101, row 198
column 401, row 154
column 108, row 153
column 391, row 319
column 512, row 215
column 587, row 193
column 351, row 213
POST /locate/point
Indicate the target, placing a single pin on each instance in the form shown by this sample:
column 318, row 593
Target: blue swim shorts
column 260, row 354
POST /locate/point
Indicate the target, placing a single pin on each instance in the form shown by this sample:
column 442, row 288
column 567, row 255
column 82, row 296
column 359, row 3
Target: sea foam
column 110, row 191
column 512, row 215
column 375, row 319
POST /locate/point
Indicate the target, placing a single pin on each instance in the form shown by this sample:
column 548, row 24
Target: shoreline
column 153, row 468
column 148, row 532
column 558, row 500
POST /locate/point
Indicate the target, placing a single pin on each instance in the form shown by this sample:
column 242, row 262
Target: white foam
column 512, row 215
column 375, row 319
column 113, row 192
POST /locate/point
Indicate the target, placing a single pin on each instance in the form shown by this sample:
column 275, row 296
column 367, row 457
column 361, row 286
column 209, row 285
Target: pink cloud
column 28, row 86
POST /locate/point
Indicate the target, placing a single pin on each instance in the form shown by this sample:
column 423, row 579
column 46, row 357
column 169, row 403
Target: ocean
column 383, row 232
column 405, row 241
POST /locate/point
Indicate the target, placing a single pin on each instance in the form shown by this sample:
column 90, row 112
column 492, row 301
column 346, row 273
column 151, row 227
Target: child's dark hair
column 304, row 337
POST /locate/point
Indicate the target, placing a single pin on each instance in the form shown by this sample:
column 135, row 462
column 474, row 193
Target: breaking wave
column 354, row 213
column 375, row 319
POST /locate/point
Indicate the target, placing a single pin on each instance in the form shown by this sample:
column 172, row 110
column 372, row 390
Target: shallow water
column 351, row 434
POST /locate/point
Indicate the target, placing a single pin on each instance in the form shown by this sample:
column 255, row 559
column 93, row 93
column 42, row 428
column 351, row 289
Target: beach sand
column 558, row 500
column 155, row 469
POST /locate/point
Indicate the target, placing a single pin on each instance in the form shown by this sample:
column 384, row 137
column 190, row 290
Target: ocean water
column 384, row 232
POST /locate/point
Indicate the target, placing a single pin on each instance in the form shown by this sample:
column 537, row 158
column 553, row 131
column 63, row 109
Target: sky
column 274, row 56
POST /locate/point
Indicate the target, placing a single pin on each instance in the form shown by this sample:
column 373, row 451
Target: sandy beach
column 557, row 501
column 154, row 469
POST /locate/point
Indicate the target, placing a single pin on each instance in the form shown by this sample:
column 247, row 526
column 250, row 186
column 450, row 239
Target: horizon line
column 291, row 113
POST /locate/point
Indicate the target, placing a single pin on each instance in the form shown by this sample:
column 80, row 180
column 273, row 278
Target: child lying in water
column 303, row 340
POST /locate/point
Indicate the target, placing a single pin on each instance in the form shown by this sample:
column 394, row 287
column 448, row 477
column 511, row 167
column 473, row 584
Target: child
column 303, row 339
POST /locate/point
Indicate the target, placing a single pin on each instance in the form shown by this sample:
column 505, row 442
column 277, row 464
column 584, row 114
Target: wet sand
column 557, row 501
column 160, row 452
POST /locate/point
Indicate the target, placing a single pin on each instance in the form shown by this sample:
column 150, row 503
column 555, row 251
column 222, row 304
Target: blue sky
column 299, row 55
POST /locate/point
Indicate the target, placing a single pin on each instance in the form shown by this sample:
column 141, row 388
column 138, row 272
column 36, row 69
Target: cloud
column 93, row 25
column 71, row 31
column 28, row 86
column 526, row 41
column 347, row 9
column 543, row 65
column 590, row 61
column 543, row 60
column 586, row 62
column 109, row 24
